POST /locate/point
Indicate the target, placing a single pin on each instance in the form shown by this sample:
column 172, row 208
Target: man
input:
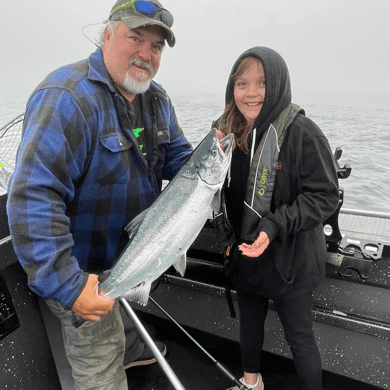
column 99, row 137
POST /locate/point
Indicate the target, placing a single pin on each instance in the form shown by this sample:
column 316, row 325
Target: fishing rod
column 240, row 385
column 148, row 340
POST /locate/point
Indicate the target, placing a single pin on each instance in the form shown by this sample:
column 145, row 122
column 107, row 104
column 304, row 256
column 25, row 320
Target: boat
column 351, row 306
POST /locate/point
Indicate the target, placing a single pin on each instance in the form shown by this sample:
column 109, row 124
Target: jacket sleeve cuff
column 268, row 226
column 81, row 288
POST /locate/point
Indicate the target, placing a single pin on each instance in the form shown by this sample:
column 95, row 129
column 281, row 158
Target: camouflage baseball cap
column 137, row 13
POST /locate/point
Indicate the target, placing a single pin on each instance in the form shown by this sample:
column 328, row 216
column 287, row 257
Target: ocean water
column 359, row 124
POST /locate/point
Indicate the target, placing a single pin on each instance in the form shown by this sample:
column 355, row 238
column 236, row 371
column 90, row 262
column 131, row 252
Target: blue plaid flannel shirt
column 80, row 176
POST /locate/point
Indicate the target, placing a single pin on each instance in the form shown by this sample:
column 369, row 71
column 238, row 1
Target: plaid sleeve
column 51, row 157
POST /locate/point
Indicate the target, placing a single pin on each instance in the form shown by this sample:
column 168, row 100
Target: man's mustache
column 142, row 64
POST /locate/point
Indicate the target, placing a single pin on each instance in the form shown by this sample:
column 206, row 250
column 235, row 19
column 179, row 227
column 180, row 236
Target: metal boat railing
column 364, row 213
column 12, row 131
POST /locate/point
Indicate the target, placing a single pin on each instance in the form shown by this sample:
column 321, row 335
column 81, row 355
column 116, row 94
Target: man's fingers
column 90, row 317
column 95, row 316
column 105, row 303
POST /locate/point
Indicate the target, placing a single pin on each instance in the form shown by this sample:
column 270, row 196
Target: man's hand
column 257, row 248
column 89, row 305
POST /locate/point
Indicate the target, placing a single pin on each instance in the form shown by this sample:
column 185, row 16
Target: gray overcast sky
column 332, row 45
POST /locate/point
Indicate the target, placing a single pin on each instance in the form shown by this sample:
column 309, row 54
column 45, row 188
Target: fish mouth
column 226, row 144
column 211, row 158
column 214, row 171
column 226, row 148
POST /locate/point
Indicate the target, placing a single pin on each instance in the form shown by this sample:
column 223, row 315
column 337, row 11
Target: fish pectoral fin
column 133, row 226
column 139, row 294
column 180, row 264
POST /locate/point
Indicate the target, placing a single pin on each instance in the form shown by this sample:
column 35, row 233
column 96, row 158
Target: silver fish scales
column 160, row 236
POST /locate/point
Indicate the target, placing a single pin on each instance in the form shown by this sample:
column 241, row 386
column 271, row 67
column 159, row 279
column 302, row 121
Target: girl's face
column 249, row 91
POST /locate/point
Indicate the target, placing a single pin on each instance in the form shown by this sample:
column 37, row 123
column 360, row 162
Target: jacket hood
column 277, row 85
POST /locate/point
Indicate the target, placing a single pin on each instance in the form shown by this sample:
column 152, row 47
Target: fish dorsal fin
column 180, row 264
column 139, row 294
column 133, row 226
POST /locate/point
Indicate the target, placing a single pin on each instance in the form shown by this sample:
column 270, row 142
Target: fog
column 330, row 46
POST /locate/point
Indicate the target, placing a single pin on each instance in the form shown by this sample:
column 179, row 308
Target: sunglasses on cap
column 147, row 8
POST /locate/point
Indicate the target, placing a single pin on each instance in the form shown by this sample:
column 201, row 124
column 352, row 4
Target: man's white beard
column 136, row 86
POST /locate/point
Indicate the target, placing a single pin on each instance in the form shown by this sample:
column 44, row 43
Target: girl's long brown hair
column 232, row 120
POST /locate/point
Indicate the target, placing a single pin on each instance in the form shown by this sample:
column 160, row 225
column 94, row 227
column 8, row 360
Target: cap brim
column 139, row 21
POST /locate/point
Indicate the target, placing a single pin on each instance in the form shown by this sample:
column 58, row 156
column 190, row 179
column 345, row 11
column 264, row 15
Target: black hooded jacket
column 305, row 194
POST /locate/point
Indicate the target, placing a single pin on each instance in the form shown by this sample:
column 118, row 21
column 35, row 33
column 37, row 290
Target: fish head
column 211, row 158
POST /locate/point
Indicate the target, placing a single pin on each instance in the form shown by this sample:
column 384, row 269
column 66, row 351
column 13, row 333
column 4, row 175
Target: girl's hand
column 228, row 249
column 220, row 135
column 257, row 248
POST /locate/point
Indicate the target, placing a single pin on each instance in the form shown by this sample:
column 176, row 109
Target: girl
column 281, row 188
